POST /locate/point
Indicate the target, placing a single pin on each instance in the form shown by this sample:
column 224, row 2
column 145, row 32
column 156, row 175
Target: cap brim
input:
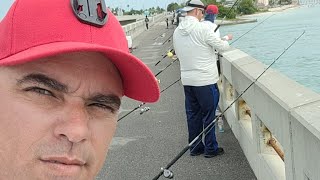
column 188, row 8
column 139, row 82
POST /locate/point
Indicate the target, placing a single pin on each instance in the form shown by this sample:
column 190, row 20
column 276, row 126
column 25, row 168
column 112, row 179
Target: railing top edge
column 309, row 116
column 278, row 86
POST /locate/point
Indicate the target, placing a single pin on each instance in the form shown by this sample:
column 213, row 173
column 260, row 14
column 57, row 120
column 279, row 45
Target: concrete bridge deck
column 144, row 143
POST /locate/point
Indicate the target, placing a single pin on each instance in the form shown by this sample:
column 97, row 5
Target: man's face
column 58, row 116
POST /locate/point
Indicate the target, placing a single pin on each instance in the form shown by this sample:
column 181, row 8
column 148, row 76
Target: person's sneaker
column 218, row 152
column 196, row 153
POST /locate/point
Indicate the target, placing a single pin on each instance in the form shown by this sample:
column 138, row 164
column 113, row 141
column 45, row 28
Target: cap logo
column 92, row 12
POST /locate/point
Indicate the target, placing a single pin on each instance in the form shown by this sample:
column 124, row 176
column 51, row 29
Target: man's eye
column 102, row 106
column 40, row 91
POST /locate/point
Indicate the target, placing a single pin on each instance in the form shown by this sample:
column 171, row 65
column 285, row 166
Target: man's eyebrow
column 111, row 99
column 44, row 80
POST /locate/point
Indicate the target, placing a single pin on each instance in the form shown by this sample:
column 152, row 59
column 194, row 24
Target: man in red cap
column 64, row 67
column 211, row 15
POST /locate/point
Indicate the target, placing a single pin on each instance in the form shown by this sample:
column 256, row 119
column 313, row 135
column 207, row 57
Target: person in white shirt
column 194, row 44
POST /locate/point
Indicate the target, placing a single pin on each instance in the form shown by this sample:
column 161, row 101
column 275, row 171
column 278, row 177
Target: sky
column 135, row 4
column 141, row 4
column 4, row 7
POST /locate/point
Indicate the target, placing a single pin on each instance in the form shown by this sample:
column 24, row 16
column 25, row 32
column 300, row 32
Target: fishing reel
column 143, row 110
column 167, row 173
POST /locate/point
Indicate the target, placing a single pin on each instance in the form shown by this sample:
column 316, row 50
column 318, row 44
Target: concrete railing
column 136, row 28
column 275, row 113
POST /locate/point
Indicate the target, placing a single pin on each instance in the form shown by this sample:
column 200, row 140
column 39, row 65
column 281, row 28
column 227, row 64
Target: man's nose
column 74, row 124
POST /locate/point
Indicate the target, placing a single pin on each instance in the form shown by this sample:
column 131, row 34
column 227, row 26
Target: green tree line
column 152, row 10
column 242, row 7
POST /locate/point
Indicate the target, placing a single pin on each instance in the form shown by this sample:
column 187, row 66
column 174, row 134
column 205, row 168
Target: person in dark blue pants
column 195, row 43
column 201, row 103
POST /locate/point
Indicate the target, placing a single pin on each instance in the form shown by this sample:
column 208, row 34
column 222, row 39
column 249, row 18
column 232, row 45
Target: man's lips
column 63, row 165
column 64, row 160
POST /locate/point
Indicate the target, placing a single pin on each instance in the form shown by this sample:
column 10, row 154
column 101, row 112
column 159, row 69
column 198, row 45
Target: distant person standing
column 172, row 20
column 146, row 20
column 167, row 21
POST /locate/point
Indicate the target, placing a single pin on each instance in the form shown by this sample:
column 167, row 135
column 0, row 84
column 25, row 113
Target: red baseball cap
column 212, row 9
column 34, row 29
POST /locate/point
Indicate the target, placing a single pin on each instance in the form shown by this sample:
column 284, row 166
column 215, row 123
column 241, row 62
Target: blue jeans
column 201, row 103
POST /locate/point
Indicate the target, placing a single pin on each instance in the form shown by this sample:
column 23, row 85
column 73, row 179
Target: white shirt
column 212, row 26
column 194, row 44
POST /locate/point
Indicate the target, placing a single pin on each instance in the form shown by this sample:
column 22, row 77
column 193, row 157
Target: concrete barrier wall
column 274, row 107
column 136, row 28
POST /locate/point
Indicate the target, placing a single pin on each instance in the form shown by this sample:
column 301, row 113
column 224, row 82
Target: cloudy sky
column 135, row 4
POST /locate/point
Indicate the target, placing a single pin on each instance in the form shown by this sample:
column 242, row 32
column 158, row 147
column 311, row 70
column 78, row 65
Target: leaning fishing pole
column 166, row 67
column 169, row 174
column 168, row 39
column 251, row 29
column 142, row 104
column 215, row 30
column 139, row 106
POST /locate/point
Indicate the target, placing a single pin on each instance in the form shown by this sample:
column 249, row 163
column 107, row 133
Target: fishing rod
column 146, row 109
column 166, row 67
column 169, row 174
column 226, row 15
column 142, row 104
column 161, row 34
column 168, row 39
column 251, row 29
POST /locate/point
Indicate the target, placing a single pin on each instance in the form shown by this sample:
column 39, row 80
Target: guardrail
column 136, row 28
column 276, row 118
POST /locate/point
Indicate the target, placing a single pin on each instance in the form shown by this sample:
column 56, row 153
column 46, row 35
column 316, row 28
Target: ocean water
column 268, row 40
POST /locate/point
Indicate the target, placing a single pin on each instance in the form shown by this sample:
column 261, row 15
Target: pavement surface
column 145, row 143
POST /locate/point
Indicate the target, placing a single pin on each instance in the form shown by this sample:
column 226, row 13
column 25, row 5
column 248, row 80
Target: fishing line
column 226, row 15
column 251, row 29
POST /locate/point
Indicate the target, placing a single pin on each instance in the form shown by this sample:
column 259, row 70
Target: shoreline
column 251, row 17
column 272, row 10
